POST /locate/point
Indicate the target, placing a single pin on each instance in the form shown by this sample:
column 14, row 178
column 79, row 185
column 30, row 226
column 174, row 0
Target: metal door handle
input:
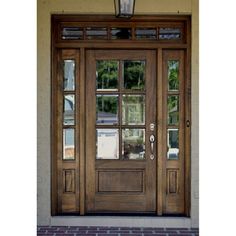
column 152, row 140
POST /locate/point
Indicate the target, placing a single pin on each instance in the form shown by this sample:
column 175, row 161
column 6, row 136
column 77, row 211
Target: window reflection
column 68, row 144
column 69, row 74
column 173, row 110
column 69, row 107
column 173, row 144
column 134, row 74
column 173, row 75
column 107, row 75
column 107, row 144
column 133, row 109
column 107, row 109
column 133, row 144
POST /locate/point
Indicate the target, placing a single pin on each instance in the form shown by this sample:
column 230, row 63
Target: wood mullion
column 159, row 134
column 81, row 126
column 187, row 98
column 120, row 84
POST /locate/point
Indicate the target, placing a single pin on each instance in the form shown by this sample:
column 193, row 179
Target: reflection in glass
column 120, row 33
column 173, row 144
column 134, row 74
column 173, row 110
column 133, row 110
column 68, row 144
column 169, row 33
column 107, row 144
column 107, row 109
column 72, row 33
column 69, row 109
column 133, row 144
column 173, row 75
column 107, row 75
column 146, row 33
column 69, row 74
column 96, row 33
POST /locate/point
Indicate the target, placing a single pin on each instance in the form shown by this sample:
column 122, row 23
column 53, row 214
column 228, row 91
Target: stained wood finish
column 75, row 185
column 120, row 185
column 173, row 170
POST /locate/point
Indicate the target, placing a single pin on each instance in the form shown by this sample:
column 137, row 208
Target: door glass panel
column 107, row 75
column 145, row 33
column 120, row 33
column 173, row 144
column 107, row 144
column 173, row 75
column 96, row 33
column 133, row 110
column 169, row 33
column 173, row 110
column 69, row 75
column 134, row 75
column 69, row 108
column 133, row 144
column 72, row 33
column 68, row 144
column 107, row 109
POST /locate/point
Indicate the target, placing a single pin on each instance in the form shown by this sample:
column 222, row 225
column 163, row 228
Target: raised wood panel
column 69, row 181
column 120, row 181
column 172, row 181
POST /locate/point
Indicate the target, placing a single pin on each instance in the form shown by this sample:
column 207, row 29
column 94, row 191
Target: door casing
column 77, row 49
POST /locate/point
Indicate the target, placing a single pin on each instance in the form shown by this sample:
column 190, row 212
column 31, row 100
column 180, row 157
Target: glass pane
column 107, row 75
column 145, row 33
column 69, row 74
column 133, row 110
column 120, row 33
column 107, row 109
column 134, row 74
column 133, row 144
column 72, row 33
column 173, row 144
column 68, row 144
column 173, row 110
column 69, row 109
column 169, row 33
column 173, row 75
column 107, row 144
column 96, row 33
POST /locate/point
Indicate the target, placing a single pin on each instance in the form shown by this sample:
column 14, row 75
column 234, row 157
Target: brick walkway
column 113, row 231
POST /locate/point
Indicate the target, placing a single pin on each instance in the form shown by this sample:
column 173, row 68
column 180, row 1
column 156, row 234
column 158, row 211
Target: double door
column 121, row 132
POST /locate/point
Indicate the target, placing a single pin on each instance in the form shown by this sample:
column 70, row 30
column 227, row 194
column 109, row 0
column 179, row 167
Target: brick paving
column 113, row 231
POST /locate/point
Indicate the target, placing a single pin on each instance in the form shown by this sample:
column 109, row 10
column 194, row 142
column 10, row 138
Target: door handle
column 152, row 140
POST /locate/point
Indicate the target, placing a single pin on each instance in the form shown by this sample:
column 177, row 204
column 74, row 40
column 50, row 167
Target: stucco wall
column 45, row 9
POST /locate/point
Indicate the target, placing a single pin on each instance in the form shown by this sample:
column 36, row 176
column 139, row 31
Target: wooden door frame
column 97, row 20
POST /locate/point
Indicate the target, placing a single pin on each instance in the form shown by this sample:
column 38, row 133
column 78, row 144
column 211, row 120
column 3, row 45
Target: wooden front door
column 121, row 122
column 121, row 131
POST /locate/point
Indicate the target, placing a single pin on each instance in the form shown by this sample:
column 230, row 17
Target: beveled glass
column 107, row 75
column 69, row 75
column 107, row 146
column 173, row 110
column 121, row 33
column 169, row 33
column 173, row 75
column 133, row 109
column 69, row 109
column 68, row 144
column 107, row 109
column 173, row 144
column 133, row 144
column 145, row 33
column 134, row 75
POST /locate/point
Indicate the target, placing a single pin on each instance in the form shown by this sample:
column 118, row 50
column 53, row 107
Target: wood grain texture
column 162, row 178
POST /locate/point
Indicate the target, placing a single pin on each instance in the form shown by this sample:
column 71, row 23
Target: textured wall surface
column 45, row 9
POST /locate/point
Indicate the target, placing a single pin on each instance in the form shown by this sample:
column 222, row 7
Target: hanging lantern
column 124, row 8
